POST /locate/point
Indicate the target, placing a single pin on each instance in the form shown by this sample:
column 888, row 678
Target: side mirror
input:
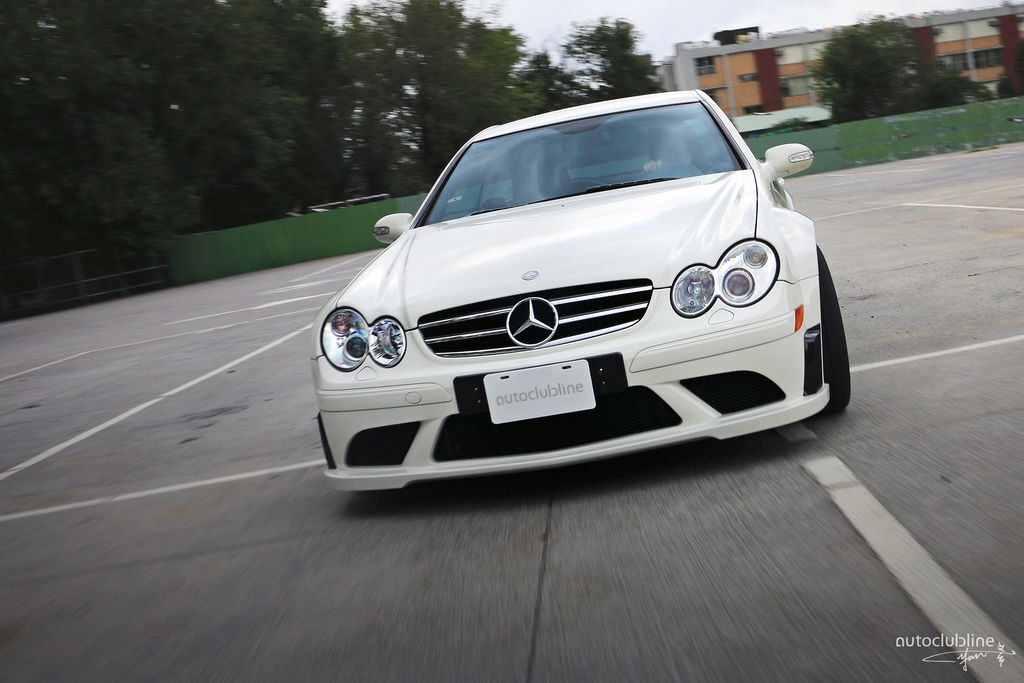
column 785, row 160
column 390, row 227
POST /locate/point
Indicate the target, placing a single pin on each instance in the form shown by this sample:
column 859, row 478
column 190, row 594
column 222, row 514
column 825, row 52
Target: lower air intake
column 731, row 392
column 381, row 446
column 635, row 410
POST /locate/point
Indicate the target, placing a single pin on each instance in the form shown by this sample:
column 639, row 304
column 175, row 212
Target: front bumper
column 389, row 427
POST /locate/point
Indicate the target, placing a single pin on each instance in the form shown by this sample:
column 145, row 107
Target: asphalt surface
column 192, row 538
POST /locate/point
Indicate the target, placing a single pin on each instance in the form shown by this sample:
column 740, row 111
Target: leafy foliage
column 607, row 64
column 127, row 122
column 879, row 68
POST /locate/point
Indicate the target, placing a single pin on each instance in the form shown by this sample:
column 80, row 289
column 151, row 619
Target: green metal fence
column 210, row 255
column 936, row 131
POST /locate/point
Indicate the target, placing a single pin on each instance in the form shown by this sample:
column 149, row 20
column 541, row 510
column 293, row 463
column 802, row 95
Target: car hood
column 650, row 231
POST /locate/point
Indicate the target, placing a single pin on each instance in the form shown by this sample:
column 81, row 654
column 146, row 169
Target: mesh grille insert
column 635, row 410
column 381, row 446
column 731, row 392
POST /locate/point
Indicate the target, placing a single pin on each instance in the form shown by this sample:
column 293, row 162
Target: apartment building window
column 747, row 78
column 986, row 58
column 954, row 62
column 705, row 65
column 798, row 85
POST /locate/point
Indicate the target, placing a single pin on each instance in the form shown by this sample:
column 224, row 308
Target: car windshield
column 587, row 155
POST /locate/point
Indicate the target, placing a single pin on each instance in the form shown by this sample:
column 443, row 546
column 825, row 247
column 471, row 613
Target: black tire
column 834, row 357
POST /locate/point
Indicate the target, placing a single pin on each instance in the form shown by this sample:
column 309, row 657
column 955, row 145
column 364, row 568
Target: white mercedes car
column 581, row 284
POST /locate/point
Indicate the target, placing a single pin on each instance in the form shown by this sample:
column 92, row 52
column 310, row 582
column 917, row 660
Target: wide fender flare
column 792, row 235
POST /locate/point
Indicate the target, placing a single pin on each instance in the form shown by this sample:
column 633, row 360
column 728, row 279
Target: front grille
column 635, row 410
column 583, row 311
column 731, row 392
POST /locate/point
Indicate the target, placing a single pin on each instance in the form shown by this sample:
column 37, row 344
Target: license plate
column 539, row 392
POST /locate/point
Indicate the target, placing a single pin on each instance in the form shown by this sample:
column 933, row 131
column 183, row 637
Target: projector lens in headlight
column 738, row 286
column 387, row 342
column 344, row 339
column 694, row 290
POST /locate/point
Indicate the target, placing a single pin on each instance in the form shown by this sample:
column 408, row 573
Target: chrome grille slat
column 584, row 310
column 461, row 318
column 598, row 314
column 613, row 328
column 468, row 335
column 500, row 349
column 599, row 295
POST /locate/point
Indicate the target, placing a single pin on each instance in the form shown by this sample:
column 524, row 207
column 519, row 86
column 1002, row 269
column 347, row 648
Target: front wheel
column 834, row 356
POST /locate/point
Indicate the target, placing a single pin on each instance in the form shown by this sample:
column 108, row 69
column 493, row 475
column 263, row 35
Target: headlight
column 694, row 291
column 345, row 339
column 743, row 276
column 387, row 342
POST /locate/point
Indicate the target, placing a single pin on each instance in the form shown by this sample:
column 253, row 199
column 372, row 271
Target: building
column 749, row 74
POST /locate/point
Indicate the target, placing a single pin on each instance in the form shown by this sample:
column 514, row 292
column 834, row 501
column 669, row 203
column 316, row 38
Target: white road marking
column 50, row 452
column 945, row 196
column 945, row 604
column 163, row 489
column 857, row 172
column 156, row 339
column 269, row 304
column 984, row 191
column 314, row 283
column 237, row 361
column 854, row 213
column 46, row 365
column 330, row 267
column 936, row 354
column 965, row 206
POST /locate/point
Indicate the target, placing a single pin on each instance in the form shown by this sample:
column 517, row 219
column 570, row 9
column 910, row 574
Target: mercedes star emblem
column 531, row 322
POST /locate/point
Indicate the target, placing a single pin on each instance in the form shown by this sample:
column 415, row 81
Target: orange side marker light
column 799, row 317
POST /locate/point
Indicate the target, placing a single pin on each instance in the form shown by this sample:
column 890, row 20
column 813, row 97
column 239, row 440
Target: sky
column 663, row 23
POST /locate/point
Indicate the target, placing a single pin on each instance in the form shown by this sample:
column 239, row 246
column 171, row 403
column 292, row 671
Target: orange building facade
column 764, row 74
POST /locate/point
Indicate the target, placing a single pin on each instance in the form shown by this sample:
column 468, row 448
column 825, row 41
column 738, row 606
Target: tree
column 126, row 122
column 606, row 64
column 949, row 88
column 429, row 77
column 870, row 69
column 551, row 86
column 880, row 68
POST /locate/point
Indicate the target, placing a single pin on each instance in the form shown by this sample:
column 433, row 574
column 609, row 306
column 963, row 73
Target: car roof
column 588, row 110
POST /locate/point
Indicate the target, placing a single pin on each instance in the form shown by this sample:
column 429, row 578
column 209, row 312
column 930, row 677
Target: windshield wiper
column 497, row 208
column 631, row 183
column 595, row 188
